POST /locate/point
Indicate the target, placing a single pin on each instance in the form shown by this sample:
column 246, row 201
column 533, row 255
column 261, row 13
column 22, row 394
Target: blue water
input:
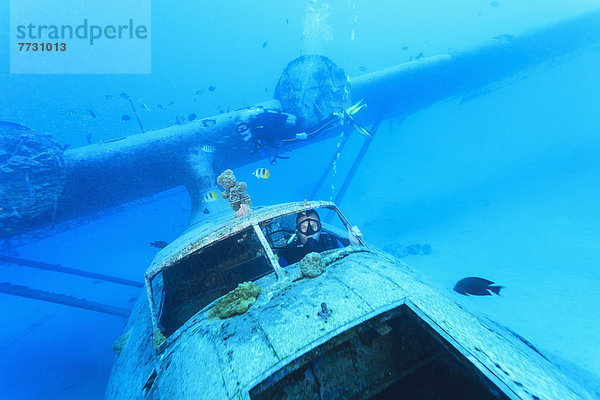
column 503, row 186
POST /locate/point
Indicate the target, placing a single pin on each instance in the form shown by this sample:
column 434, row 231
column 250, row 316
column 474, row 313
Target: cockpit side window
column 197, row 280
column 293, row 236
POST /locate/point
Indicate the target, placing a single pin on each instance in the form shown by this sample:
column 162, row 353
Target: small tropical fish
column 207, row 148
column 91, row 113
column 476, row 286
column 495, row 4
column 192, row 117
column 124, row 96
column 211, row 88
column 171, row 103
column 404, row 48
column 70, row 112
column 287, row 21
column 159, row 244
column 419, row 56
column 208, row 122
column 265, row 44
column 209, row 196
column 199, row 92
column 205, row 211
column 261, row 173
column 362, row 68
column 125, row 117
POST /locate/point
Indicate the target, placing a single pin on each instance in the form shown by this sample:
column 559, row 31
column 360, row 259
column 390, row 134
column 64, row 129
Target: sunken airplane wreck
column 221, row 319
column 365, row 326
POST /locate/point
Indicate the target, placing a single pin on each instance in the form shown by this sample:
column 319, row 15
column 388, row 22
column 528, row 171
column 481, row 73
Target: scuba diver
column 267, row 128
column 271, row 128
column 309, row 238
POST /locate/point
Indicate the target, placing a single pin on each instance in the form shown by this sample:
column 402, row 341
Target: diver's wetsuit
column 296, row 250
column 270, row 127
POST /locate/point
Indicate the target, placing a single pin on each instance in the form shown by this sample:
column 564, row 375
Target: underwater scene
column 310, row 199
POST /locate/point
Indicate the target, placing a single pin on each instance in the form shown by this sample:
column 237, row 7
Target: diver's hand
column 353, row 235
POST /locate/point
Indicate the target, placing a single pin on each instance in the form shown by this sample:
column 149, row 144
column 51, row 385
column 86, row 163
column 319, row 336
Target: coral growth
column 121, row 342
column 237, row 301
column 234, row 191
column 312, row 265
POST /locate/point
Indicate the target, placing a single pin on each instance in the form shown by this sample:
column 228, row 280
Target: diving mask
column 309, row 226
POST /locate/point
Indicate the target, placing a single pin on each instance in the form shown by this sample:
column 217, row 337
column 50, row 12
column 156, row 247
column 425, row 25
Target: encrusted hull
column 283, row 344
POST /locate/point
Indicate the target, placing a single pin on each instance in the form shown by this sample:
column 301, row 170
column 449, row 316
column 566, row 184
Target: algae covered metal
column 365, row 326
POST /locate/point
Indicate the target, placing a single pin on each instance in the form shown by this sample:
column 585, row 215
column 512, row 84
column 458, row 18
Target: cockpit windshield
column 293, row 236
column 197, row 280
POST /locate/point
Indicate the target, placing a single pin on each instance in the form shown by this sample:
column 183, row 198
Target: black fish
column 125, row 117
column 265, row 44
column 212, row 88
column 159, row 244
column 205, row 211
column 476, row 286
column 362, row 68
column 208, row 122
column 192, row 117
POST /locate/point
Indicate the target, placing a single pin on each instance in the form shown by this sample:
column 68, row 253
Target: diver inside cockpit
column 309, row 238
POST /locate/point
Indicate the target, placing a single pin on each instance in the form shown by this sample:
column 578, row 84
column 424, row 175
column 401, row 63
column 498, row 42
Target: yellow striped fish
column 210, row 196
column 261, row 173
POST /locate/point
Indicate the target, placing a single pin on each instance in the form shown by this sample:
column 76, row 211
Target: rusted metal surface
column 225, row 359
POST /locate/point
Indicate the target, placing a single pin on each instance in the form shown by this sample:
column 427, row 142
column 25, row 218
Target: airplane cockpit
column 242, row 250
